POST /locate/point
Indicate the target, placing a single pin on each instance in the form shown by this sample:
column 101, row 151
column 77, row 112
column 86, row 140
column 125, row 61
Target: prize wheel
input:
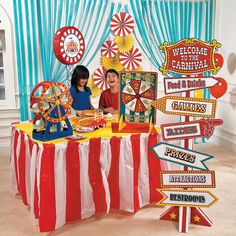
column 131, row 60
column 36, row 92
column 99, row 79
column 122, row 24
column 68, row 45
column 137, row 96
column 109, row 48
column 57, row 96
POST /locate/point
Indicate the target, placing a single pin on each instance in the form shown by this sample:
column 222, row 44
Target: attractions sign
column 189, row 56
column 187, row 179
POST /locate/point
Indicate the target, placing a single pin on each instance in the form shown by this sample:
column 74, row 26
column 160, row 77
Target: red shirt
column 109, row 99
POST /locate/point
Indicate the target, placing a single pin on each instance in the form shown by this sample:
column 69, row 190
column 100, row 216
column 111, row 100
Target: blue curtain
column 35, row 23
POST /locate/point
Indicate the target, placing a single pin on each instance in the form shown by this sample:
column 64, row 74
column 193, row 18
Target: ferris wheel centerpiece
column 51, row 104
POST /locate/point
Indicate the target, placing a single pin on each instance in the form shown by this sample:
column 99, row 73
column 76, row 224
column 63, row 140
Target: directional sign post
column 182, row 156
column 184, row 84
column 186, row 198
column 187, row 179
column 191, row 129
column 182, row 106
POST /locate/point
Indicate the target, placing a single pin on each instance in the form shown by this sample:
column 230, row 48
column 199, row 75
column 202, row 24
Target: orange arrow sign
column 182, row 106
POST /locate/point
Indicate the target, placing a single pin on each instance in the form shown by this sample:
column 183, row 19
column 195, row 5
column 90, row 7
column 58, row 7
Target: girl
column 109, row 98
column 79, row 90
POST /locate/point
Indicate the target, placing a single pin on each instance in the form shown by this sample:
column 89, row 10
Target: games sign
column 189, row 56
column 137, row 91
column 174, row 105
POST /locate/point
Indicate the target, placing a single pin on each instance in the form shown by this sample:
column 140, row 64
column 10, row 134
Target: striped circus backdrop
column 69, row 180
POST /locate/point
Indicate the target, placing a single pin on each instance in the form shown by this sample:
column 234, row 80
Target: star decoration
column 173, row 216
column 196, row 218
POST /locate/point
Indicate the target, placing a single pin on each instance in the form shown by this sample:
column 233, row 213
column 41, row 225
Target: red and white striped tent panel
column 68, row 45
column 122, row 24
column 137, row 95
column 132, row 59
column 71, row 180
column 109, row 48
column 99, row 79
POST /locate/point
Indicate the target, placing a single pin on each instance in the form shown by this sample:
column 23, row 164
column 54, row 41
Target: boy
column 108, row 101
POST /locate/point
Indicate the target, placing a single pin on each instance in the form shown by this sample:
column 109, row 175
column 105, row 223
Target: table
column 62, row 180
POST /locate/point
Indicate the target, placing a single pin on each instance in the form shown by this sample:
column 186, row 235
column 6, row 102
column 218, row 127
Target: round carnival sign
column 68, row 45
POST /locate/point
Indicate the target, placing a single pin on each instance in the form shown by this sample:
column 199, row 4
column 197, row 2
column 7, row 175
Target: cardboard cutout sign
column 177, row 85
column 190, row 56
column 137, row 91
column 174, row 105
column 68, row 45
column 192, row 129
column 182, row 156
column 187, row 179
column 187, row 198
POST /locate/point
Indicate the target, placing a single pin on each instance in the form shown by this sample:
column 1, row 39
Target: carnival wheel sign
column 137, row 95
column 68, row 45
column 99, row 79
column 109, row 49
column 132, row 59
column 122, row 24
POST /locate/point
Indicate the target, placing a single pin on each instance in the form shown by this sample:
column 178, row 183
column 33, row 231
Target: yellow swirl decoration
column 112, row 63
column 95, row 90
column 124, row 43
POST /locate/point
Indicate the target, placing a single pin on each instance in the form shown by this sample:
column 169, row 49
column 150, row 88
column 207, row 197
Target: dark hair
column 80, row 72
column 111, row 71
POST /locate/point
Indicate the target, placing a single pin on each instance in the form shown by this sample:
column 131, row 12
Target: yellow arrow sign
column 182, row 106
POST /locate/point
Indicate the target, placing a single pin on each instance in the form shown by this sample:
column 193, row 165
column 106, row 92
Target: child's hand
column 116, row 112
column 79, row 113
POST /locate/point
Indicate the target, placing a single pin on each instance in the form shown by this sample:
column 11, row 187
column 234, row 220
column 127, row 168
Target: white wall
column 225, row 32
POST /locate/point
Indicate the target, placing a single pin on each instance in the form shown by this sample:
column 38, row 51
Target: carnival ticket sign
column 184, row 84
column 186, row 198
column 189, row 56
column 192, row 129
column 182, row 156
column 187, row 179
column 182, row 106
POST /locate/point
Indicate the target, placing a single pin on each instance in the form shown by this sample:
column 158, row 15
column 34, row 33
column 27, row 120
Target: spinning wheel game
column 137, row 92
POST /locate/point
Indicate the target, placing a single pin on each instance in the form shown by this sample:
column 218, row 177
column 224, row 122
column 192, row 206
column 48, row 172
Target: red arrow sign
column 191, row 129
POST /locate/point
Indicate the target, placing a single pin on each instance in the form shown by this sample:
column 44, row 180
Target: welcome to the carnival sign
column 190, row 56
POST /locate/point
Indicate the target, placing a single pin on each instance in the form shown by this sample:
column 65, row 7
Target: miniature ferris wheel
column 51, row 102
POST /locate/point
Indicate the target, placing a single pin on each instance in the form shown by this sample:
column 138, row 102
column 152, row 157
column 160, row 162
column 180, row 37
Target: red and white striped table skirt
column 70, row 180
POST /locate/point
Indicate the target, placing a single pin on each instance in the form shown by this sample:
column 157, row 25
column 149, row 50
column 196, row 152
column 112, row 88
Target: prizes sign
column 190, row 56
